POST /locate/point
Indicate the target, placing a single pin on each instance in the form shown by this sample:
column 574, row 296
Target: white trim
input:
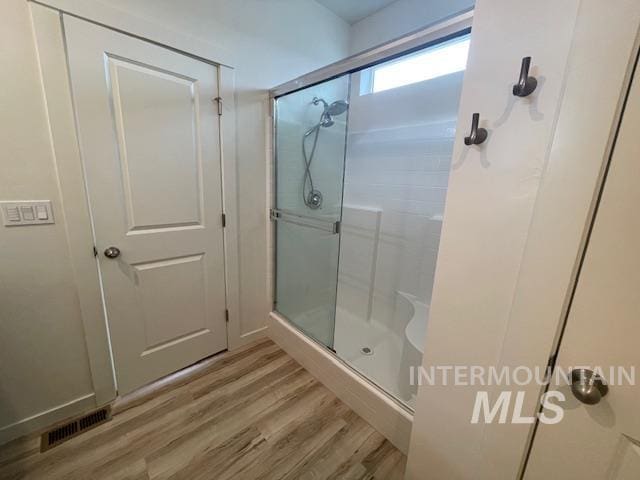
column 50, row 45
column 41, row 421
column 368, row 401
column 247, row 337
column 236, row 335
column 110, row 17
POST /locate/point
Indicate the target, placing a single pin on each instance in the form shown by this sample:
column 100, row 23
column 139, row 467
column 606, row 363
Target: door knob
column 587, row 386
column 112, row 252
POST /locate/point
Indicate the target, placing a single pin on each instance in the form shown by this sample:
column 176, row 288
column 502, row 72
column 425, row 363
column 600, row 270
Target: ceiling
column 354, row 10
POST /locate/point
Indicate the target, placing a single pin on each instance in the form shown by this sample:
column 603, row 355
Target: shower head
column 337, row 108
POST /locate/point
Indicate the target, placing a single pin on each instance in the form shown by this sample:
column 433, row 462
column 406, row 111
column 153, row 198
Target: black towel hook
column 478, row 134
column 526, row 84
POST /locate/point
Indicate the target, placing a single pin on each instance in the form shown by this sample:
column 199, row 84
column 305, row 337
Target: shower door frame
column 277, row 214
column 433, row 34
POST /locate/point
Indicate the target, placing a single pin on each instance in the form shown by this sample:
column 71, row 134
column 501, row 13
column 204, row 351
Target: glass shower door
column 310, row 139
column 363, row 165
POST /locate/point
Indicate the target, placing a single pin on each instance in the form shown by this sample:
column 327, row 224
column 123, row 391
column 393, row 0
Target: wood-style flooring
column 252, row 414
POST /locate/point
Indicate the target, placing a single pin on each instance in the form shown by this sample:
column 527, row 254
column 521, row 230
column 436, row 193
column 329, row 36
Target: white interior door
column 602, row 441
column 150, row 145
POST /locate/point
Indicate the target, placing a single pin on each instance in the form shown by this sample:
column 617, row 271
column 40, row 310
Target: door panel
column 150, row 144
column 160, row 136
column 310, row 157
column 185, row 300
column 602, row 441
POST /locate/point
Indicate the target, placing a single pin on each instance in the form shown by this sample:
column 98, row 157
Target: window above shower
column 433, row 62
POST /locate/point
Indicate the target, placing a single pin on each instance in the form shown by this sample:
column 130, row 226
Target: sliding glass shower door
column 310, row 144
column 368, row 152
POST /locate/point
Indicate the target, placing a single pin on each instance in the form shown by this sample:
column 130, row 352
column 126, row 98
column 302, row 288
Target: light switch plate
column 26, row 212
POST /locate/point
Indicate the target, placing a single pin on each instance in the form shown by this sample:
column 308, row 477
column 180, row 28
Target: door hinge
column 224, row 220
column 218, row 100
column 95, row 251
column 226, row 315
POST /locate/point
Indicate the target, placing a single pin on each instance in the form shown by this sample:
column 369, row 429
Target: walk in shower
column 362, row 162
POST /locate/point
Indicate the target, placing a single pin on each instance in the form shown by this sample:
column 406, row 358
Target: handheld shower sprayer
column 313, row 199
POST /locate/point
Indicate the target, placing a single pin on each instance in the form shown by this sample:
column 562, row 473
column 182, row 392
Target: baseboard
column 247, row 338
column 43, row 420
column 368, row 401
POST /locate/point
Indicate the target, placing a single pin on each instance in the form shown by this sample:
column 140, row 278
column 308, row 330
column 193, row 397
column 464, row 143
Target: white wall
column 490, row 202
column 400, row 18
column 43, row 359
column 398, row 160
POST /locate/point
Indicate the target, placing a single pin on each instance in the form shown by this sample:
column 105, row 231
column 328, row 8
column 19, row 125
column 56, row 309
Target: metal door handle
column 112, row 252
column 587, row 386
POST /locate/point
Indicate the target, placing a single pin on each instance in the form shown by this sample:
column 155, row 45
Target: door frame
column 569, row 316
column 48, row 23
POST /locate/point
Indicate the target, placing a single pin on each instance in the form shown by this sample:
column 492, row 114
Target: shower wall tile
column 398, row 161
column 360, row 236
